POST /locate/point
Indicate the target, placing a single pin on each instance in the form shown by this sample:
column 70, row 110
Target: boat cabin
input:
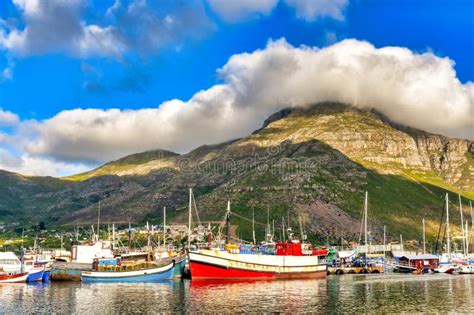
column 420, row 261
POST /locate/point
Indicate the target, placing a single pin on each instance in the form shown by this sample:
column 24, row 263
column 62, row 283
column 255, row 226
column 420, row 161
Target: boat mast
column 401, row 242
column 424, row 237
column 98, row 222
column 467, row 237
column 301, row 229
column 129, row 235
column 448, row 244
column 463, row 235
column 253, row 227
column 113, row 236
column 283, row 228
column 164, row 227
column 365, row 222
column 190, row 217
column 384, row 241
column 227, row 237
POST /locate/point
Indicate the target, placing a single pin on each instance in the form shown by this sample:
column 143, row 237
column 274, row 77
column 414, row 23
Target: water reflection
column 349, row 293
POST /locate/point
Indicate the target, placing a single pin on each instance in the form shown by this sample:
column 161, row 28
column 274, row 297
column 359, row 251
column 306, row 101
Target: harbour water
column 389, row 293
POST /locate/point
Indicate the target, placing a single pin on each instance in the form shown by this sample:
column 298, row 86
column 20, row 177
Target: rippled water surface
column 336, row 294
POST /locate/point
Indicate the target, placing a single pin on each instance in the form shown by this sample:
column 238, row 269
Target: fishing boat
column 13, row 278
column 272, row 260
column 289, row 261
column 11, row 269
column 116, row 272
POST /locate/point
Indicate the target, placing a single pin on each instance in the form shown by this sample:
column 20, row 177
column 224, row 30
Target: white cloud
column 311, row 10
column 135, row 25
column 238, row 10
column 419, row 90
column 8, row 118
column 37, row 166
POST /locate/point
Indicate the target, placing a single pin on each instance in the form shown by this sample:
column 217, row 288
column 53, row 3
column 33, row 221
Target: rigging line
column 249, row 220
column 195, row 208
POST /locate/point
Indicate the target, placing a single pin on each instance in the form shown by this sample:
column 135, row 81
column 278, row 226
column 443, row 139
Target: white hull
column 15, row 280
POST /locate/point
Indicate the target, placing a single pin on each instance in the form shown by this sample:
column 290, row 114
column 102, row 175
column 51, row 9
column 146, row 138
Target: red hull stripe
column 208, row 271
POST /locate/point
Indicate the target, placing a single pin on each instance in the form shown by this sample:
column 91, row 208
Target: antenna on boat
column 164, row 227
column 98, row 223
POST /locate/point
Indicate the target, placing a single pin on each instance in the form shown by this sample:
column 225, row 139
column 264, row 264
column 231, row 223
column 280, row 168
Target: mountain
column 316, row 162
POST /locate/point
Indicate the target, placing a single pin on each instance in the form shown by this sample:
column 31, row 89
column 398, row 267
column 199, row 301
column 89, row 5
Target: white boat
column 9, row 263
column 468, row 269
column 14, row 278
column 11, row 269
column 448, row 268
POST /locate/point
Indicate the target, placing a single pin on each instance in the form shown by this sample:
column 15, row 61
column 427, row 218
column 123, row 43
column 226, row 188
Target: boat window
column 9, row 262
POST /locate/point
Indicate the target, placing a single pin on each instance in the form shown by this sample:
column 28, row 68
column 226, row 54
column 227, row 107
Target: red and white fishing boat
column 13, row 278
column 282, row 260
column 289, row 261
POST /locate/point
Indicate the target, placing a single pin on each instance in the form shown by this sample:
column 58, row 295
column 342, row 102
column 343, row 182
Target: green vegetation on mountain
column 315, row 162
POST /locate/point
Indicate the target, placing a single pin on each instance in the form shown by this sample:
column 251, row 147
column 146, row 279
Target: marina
column 383, row 293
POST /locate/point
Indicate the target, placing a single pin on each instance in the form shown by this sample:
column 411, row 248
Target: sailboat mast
column 98, row 222
column 463, row 236
column 448, row 238
column 424, row 237
column 164, row 227
column 365, row 221
column 384, row 241
column 190, row 217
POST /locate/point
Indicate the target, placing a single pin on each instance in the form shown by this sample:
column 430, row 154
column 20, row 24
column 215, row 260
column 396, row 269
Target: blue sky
column 46, row 71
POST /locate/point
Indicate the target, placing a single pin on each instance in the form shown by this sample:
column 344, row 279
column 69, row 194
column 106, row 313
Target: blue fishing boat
column 117, row 274
column 46, row 275
column 35, row 275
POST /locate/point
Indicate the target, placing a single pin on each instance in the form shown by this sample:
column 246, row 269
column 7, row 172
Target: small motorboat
column 468, row 269
column 13, row 278
column 446, row 269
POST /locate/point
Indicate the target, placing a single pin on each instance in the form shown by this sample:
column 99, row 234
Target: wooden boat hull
column 68, row 271
column 20, row 277
column 222, row 265
column 146, row 275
